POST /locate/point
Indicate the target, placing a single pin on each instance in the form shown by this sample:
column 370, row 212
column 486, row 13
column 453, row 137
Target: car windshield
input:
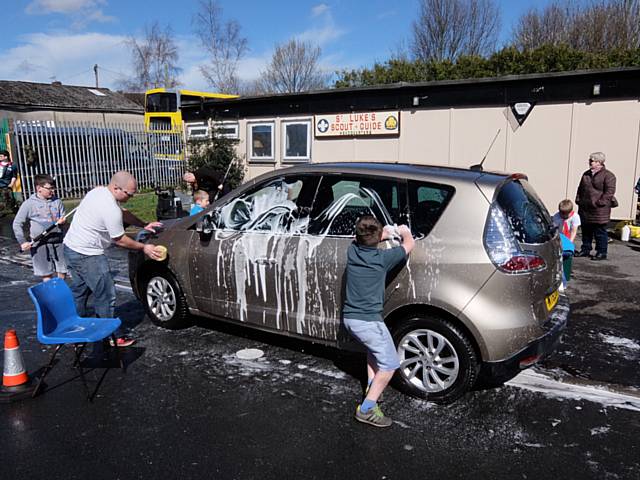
column 527, row 214
column 271, row 207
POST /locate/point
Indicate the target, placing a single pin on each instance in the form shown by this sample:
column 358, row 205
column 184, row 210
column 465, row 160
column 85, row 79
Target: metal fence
column 82, row 155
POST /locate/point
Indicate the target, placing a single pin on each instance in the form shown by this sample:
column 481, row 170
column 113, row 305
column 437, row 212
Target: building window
column 227, row 129
column 261, row 142
column 197, row 131
column 296, row 141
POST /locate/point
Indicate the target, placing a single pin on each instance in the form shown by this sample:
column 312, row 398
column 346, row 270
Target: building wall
column 551, row 147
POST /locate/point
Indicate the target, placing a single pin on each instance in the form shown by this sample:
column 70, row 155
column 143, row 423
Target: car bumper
column 542, row 347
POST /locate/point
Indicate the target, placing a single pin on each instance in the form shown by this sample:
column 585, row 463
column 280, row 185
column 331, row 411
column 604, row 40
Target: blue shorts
column 376, row 337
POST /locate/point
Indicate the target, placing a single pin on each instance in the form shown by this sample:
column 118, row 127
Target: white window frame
column 228, row 124
column 283, row 126
column 191, row 126
column 272, row 157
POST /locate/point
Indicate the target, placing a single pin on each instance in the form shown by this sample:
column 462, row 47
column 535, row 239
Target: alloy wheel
column 428, row 360
column 161, row 298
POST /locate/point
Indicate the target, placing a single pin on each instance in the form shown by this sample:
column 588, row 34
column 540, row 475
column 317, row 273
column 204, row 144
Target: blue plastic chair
column 59, row 324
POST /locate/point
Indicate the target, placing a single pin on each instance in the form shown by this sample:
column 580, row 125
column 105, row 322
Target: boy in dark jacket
column 595, row 198
column 8, row 178
column 367, row 268
column 41, row 210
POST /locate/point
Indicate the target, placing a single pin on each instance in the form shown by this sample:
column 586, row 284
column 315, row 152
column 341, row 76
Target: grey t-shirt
column 367, row 269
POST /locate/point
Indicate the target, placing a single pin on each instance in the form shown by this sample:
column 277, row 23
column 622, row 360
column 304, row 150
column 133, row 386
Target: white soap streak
column 433, row 253
column 620, row 342
column 536, row 381
column 267, row 235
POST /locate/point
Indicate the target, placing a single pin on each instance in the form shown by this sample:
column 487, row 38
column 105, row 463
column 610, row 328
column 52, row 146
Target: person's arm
column 129, row 218
column 574, row 227
column 18, row 226
column 407, row 238
column 14, row 177
column 149, row 249
column 573, row 233
column 609, row 190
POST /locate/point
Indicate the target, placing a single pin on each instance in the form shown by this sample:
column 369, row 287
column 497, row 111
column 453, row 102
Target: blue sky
column 46, row 40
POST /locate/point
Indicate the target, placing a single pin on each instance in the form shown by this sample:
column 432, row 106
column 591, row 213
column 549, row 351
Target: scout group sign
column 354, row 124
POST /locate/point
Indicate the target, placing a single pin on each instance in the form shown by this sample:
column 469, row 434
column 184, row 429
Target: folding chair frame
column 78, row 349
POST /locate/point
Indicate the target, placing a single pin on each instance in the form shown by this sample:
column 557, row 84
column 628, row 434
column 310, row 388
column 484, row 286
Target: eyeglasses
column 128, row 194
column 50, row 188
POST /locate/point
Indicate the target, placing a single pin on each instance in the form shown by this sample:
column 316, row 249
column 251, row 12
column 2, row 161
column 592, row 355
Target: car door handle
column 266, row 261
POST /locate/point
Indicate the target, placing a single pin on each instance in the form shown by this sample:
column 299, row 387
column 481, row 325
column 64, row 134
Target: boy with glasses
column 42, row 210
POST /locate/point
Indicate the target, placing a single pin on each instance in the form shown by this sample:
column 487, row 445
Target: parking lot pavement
column 188, row 407
column 602, row 342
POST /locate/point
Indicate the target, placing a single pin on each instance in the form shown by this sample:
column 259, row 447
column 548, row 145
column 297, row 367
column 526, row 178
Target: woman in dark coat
column 595, row 198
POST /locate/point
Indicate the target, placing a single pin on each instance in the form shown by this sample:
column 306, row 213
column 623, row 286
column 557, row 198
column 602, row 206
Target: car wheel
column 437, row 360
column 164, row 301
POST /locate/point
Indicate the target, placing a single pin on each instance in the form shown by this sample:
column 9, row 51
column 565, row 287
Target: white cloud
column 42, row 57
column 82, row 11
column 319, row 9
column 69, row 58
column 325, row 29
column 42, row 7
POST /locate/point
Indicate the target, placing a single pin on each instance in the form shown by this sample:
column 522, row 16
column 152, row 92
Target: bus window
column 159, row 123
column 162, row 102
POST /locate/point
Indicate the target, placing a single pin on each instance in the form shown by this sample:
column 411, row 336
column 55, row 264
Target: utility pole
column 95, row 70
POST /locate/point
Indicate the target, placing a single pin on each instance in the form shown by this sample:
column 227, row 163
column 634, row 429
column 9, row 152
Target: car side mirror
column 206, row 225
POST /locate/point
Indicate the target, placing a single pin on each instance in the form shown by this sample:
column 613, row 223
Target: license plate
column 551, row 300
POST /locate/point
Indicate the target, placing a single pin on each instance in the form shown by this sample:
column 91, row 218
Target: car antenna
column 478, row 167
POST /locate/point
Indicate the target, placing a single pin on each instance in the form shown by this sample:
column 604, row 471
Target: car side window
column 341, row 200
column 279, row 205
column 427, row 202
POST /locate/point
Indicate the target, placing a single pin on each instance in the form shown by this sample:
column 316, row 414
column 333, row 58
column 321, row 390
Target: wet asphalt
column 188, row 407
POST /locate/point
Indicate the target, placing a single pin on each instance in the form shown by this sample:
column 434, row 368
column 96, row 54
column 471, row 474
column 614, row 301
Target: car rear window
column 427, row 201
column 527, row 214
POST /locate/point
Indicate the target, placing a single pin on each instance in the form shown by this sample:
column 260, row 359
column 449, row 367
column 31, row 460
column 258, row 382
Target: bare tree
column 223, row 42
column 593, row 26
column 154, row 60
column 446, row 29
column 294, row 67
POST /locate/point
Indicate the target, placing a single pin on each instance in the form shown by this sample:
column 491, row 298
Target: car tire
column 164, row 301
column 423, row 342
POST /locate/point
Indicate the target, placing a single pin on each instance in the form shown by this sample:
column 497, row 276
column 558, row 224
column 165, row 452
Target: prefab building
column 543, row 125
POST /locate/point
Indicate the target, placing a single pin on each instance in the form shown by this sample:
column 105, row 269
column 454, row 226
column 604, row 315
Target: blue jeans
column 91, row 274
column 597, row 230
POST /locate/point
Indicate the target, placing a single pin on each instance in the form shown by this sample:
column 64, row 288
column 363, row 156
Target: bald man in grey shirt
column 96, row 226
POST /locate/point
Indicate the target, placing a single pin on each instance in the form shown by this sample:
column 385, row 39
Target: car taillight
column 503, row 248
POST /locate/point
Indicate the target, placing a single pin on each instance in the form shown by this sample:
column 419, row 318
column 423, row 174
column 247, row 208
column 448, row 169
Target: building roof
column 574, row 86
column 30, row 96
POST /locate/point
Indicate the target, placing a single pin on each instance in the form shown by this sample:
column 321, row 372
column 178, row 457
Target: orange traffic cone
column 15, row 380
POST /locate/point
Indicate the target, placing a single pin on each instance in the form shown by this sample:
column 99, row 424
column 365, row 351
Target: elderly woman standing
column 595, row 198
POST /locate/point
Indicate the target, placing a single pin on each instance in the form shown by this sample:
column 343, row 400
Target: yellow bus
column 163, row 107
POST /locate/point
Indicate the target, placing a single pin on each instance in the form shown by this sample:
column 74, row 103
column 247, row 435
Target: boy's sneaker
column 122, row 342
column 373, row 417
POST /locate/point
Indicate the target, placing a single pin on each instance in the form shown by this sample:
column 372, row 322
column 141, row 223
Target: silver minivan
column 477, row 300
